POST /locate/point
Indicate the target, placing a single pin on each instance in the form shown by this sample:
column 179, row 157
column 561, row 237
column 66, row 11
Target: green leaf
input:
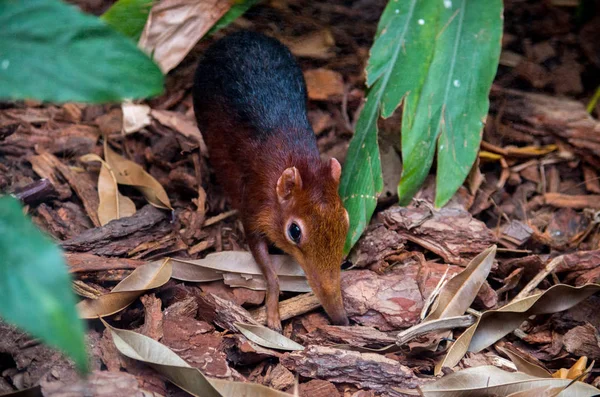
column 452, row 105
column 35, row 288
column 50, row 51
column 236, row 11
column 128, row 17
column 397, row 66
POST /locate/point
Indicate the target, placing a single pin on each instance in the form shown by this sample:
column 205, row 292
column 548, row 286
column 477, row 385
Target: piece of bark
column 81, row 262
column 238, row 295
column 187, row 307
column 196, row 343
column 97, row 384
column 563, row 118
column 583, row 340
column 33, row 361
column 81, row 183
column 590, row 177
column 515, row 234
column 318, row 388
column 241, row 352
column 327, row 335
column 572, row 201
column 65, row 222
column 43, row 166
column 36, row 192
column 290, row 308
column 394, row 300
column 280, row 378
column 443, row 231
column 376, row 243
column 222, row 312
column 153, row 317
column 377, row 372
column 324, row 84
column 121, row 235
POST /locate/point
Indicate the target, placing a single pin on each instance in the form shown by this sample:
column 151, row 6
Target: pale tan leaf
column 495, row 324
column 523, row 363
column 112, row 205
column 164, row 360
column 175, row 26
column 180, row 124
column 458, row 293
column 239, row 269
column 543, row 391
column 318, row 45
column 146, row 277
column 135, row 117
column 489, row 381
column 129, row 173
column 266, row 337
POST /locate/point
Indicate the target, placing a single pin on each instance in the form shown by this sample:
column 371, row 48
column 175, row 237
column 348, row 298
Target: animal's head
column 312, row 228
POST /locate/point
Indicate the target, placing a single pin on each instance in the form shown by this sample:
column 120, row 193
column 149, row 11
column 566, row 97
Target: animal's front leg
column 259, row 248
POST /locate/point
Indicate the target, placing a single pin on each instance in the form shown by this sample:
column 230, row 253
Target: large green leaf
column 398, row 65
column 51, row 51
column 453, row 103
column 236, row 11
column 35, row 288
column 128, row 17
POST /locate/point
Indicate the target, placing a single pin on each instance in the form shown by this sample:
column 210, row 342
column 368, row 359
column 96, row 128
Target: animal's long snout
column 327, row 288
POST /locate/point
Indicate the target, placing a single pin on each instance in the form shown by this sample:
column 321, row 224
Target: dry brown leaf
column 113, row 205
column 489, row 381
column 181, row 124
column 135, row 117
column 129, row 173
column 495, row 324
column 525, row 364
column 175, row 26
column 164, row 360
column 239, row 269
column 146, row 277
column 266, row 337
column 457, row 295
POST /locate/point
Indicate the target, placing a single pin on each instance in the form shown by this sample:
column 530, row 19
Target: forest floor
column 535, row 193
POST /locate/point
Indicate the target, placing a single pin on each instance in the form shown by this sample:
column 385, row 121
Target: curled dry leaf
column 524, row 363
column 175, row 26
column 266, row 337
column 239, row 269
column 458, row 294
column 146, row 277
column 135, row 117
column 491, row 382
column 495, row 324
column 129, row 173
column 113, row 205
column 164, row 360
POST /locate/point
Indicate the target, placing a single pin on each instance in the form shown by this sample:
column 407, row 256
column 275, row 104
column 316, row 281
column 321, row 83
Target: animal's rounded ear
column 286, row 184
column 336, row 169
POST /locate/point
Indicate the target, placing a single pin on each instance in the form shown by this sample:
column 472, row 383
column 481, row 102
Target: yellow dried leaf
column 129, row 173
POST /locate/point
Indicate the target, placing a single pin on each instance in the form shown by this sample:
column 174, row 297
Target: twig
column 290, row 308
column 441, row 324
column 219, row 218
column 550, row 267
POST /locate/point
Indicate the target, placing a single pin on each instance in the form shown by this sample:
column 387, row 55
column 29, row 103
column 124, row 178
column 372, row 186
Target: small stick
column 219, row 218
column 290, row 308
column 550, row 267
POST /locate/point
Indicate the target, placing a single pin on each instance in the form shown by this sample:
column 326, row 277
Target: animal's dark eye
column 294, row 232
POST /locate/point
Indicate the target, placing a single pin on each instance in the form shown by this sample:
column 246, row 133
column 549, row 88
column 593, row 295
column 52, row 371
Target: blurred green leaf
column 128, row 17
column 50, row 51
column 452, row 104
column 236, row 11
column 35, row 288
column 397, row 66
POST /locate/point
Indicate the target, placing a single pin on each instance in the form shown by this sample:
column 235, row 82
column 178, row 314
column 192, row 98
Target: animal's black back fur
column 254, row 80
